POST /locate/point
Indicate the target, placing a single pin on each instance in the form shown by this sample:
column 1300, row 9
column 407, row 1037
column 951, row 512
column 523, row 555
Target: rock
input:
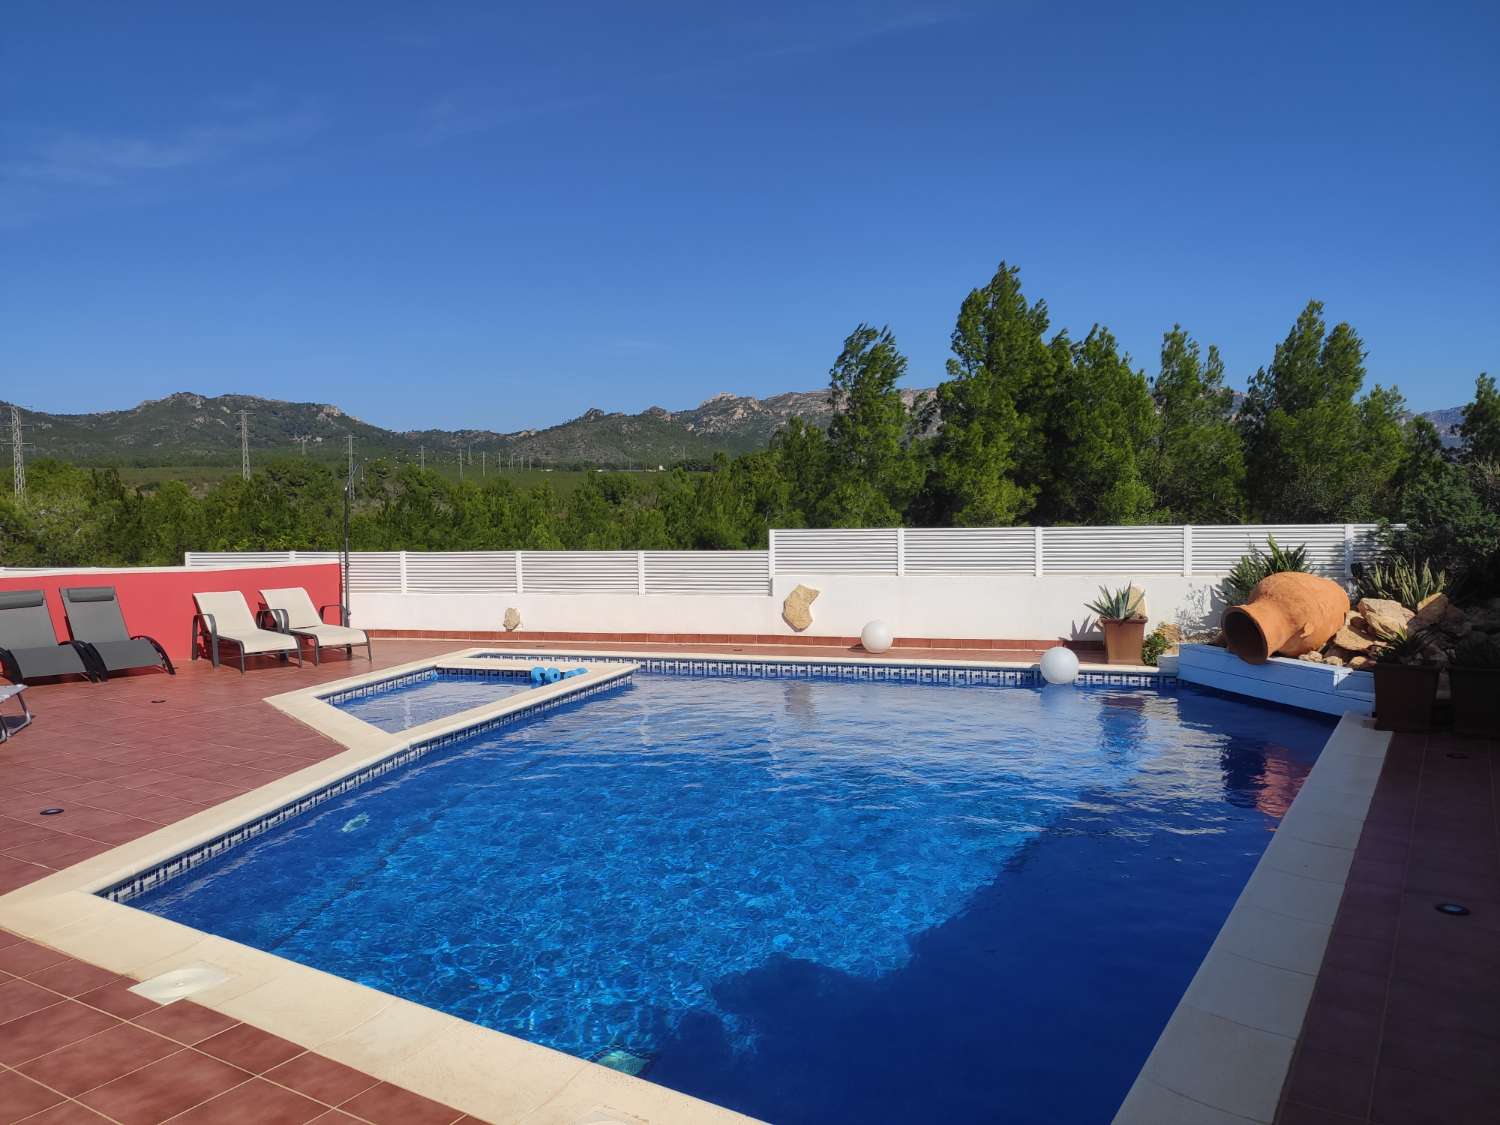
column 1312, row 657
column 1362, row 663
column 512, row 620
column 1429, row 599
column 1355, row 636
column 1137, row 601
column 796, row 611
column 1437, row 612
column 1172, row 633
column 1384, row 617
column 1332, row 658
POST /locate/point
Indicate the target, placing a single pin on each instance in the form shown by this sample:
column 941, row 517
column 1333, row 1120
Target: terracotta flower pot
column 1404, row 694
column 1476, row 700
column 1287, row 614
column 1123, row 640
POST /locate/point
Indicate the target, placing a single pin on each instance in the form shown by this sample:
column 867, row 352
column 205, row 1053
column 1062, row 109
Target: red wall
column 159, row 603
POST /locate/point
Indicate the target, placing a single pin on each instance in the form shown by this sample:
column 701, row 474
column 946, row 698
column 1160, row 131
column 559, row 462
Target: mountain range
column 187, row 428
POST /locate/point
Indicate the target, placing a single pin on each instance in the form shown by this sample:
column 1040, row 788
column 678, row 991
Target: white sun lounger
column 295, row 613
column 224, row 616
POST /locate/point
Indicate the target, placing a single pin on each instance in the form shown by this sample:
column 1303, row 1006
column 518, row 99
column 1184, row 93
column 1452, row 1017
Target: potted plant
column 1123, row 623
column 1474, row 679
column 1405, row 685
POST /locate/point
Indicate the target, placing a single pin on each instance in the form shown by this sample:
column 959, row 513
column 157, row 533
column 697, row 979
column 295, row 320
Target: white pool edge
column 1225, row 1053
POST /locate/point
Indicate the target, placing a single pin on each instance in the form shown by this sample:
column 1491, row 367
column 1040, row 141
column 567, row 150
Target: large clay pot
column 1287, row 614
column 1123, row 640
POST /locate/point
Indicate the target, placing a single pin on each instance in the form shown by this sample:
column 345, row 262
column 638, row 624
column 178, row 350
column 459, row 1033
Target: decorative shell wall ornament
column 796, row 611
column 512, row 620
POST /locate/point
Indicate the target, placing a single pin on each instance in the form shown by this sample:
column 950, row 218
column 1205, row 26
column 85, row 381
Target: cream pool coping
column 1225, row 1053
column 488, row 1074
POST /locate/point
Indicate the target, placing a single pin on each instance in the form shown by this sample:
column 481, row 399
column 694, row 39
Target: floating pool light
column 1458, row 910
column 876, row 637
column 1059, row 665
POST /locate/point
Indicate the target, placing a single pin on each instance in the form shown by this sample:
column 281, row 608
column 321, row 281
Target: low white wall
column 994, row 606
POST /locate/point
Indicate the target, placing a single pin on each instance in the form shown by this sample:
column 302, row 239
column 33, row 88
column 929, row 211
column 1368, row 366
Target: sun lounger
column 294, row 613
column 95, row 620
column 9, row 724
column 224, row 617
column 29, row 648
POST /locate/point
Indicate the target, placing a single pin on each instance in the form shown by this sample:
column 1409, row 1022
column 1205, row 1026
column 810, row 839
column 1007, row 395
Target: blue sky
column 499, row 216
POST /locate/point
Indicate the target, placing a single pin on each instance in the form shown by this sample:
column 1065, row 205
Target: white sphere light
column 1059, row 665
column 876, row 637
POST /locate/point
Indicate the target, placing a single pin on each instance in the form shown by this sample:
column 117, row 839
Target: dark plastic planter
column 1404, row 695
column 1123, row 640
column 1476, row 701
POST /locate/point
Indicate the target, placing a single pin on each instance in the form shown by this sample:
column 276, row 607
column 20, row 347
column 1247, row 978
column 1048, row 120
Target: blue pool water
column 812, row 901
column 403, row 706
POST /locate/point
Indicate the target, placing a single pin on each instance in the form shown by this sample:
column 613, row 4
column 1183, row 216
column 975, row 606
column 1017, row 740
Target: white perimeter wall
column 993, row 606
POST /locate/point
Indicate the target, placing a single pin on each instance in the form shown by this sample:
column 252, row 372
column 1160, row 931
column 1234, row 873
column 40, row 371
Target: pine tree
column 872, row 472
column 1480, row 428
column 1196, row 466
column 1313, row 452
column 988, row 459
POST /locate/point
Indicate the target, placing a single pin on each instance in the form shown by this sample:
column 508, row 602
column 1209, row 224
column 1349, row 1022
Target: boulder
column 1312, row 657
column 796, row 611
column 1333, row 657
column 1137, row 601
column 512, row 620
column 1356, row 636
column 1384, row 617
column 1172, row 632
column 1362, row 663
column 1437, row 612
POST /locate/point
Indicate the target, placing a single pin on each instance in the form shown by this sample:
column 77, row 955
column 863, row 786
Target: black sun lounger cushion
column 30, row 644
column 95, row 619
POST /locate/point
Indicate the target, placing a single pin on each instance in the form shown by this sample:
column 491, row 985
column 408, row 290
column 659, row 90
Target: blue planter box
column 1297, row 683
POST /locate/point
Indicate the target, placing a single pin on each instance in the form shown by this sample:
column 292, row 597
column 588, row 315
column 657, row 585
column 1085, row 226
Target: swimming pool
column 808, row 900
column 434, row 694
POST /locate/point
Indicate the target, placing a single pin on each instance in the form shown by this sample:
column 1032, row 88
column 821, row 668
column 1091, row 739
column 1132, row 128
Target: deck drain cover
column 1458, row 910
column 177, row 983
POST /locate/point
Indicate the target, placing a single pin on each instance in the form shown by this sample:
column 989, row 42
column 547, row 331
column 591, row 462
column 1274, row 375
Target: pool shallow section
column 805, row 900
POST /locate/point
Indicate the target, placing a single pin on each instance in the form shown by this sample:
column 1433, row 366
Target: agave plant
column 1258, row 564
column 1400, row 579
column 1402, row 647
column 1123, row 604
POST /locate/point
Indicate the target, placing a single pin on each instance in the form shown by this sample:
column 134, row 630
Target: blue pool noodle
column 553, row 675
column 538, row 675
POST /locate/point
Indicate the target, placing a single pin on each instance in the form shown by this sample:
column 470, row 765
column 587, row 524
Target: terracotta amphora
column 1287, row 614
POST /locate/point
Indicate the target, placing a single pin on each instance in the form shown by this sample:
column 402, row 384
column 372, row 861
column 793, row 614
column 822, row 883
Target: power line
column 18, row 453
column 245, row 443
column 302, row 441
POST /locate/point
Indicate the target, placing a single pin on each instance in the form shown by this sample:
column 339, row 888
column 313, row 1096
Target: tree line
column 1030, row 426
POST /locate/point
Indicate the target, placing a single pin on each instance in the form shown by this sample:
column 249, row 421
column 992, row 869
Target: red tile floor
column 1404, row 1025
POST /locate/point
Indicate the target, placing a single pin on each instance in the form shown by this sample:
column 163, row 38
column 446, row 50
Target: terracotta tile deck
column 1404, row 1024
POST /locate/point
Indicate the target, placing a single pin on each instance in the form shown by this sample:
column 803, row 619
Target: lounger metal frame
column 211, row 629
column 281, row 622
column 8, row 726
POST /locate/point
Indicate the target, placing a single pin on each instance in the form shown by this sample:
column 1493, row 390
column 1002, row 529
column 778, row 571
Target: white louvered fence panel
column 841, row 551
column 236, row 558
column 460, row 572
column 580, row 572
column 707, row 572
column 373, row 572
column 970, row 550
column 1142, row 549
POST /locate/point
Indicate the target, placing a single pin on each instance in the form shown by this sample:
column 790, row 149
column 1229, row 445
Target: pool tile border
column 374, row 687
column 1004, row 675
column 154, row 876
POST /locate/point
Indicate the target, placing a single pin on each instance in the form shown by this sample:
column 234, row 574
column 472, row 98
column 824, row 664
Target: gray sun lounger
column 10, row 724
column 95, row 620
column 29, row 648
